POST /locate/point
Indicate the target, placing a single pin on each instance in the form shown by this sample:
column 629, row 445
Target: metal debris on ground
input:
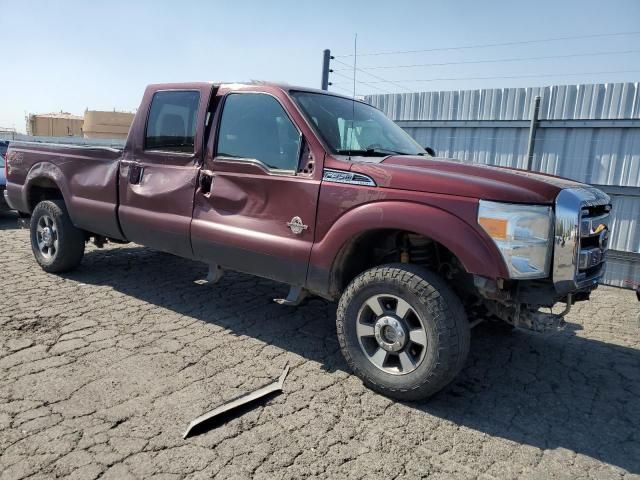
column 239, row 402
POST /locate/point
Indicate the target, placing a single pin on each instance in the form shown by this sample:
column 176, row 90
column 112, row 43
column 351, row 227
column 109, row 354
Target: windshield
column 356, row 128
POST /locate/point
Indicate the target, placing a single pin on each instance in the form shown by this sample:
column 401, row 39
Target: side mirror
column 430, row 151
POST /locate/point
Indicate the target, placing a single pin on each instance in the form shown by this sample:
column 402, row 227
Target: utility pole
column 532, row 132
column 326, row 59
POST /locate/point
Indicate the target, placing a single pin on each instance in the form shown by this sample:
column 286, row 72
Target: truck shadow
column 550, row 392
column 8, row 220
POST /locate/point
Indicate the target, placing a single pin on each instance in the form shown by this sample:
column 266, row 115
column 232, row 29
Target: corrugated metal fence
column 590, row 133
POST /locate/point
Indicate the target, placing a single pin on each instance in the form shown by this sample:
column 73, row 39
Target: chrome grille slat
column 590, row 257
column 588, row 225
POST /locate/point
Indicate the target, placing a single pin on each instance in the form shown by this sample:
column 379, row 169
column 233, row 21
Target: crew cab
column 324, row 193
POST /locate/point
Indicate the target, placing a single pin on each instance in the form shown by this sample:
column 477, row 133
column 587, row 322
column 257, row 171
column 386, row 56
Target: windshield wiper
column 370, row 152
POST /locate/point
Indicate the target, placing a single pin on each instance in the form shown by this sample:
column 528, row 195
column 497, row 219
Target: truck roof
column 240, row 85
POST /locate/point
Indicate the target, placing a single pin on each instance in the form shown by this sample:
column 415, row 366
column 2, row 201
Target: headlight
column 523, row 236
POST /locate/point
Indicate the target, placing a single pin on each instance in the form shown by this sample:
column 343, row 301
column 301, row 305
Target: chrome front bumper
column 581, row 236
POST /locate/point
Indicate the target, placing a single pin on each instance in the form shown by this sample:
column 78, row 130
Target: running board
column 215, row 273
column 294, row 298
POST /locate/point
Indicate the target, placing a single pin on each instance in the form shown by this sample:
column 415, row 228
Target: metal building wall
column 590, row 133
column 560, row 102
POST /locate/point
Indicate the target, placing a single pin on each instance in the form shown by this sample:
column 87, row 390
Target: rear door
column 256, row 205
column 158, row 180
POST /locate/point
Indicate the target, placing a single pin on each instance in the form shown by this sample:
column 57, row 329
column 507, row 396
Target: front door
column 158, row 182
column 255, row 208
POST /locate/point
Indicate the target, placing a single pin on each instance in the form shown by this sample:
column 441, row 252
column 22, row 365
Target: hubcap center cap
column 390, row 334
column 47, row 236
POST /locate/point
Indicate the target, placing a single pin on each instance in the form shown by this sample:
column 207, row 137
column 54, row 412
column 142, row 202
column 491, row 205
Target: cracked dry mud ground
column 102, row 369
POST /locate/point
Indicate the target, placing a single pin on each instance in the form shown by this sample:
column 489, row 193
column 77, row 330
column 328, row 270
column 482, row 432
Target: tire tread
column 449, row 316
column 71, row 239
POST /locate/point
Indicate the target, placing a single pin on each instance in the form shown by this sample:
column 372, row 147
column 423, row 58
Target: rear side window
column 255, row 126
column 172, row 121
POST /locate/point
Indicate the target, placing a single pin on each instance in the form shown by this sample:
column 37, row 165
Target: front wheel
column 403, row 331
column 57, row 244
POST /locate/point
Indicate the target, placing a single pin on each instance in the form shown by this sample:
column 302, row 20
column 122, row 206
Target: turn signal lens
column 495, row 227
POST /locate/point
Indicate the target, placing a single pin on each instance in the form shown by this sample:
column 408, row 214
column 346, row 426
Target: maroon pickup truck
column 329, row 196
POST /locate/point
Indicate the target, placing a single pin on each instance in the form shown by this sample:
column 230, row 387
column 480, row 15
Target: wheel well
column 382, row 246
column 43, row 189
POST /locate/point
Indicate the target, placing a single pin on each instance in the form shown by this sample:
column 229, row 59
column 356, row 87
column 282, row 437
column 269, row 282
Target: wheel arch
column 332, row 258
column 45, row 181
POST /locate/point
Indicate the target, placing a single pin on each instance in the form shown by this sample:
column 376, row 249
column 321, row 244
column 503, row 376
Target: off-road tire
column 446, row 325
column 70, row 240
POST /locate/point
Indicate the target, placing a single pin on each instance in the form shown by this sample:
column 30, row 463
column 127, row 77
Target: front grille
column 594, row 236
column 581, row 234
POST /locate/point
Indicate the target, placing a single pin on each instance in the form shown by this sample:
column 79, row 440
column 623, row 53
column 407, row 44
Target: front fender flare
column 469, row 244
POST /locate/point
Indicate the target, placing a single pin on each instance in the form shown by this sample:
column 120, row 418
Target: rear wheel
column 403, row 331
column 57, row 244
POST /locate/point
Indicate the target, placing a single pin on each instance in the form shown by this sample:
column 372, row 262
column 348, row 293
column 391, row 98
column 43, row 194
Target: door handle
column 135, row 173
column 206, row 180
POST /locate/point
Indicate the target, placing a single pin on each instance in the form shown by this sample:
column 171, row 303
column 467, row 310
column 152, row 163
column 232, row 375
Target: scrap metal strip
column 238, row 402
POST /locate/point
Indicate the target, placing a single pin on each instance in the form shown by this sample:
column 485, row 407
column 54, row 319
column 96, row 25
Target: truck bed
column 92, row 142
column 87, row 176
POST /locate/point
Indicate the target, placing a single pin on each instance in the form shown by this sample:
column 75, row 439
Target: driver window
column 255, row 126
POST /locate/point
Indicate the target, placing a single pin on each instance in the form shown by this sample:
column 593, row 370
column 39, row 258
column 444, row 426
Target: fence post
column 532, row 132
column 326, row 57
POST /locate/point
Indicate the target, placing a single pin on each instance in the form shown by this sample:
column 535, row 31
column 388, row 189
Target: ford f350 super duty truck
column 329, row 196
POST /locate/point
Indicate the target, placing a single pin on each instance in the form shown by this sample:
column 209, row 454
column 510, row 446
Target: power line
column 341, row 88
column 361, row 81
column 500, row 60
column 503, row 44
column 372, row 76
column 517, row 76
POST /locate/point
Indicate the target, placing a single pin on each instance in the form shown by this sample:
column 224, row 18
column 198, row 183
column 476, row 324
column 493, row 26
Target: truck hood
column 450, row 177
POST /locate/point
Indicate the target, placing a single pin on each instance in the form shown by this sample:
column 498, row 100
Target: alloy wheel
column 391, row 334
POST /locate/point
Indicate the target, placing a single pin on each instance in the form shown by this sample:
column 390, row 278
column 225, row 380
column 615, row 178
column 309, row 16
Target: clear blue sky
column 77, row 54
